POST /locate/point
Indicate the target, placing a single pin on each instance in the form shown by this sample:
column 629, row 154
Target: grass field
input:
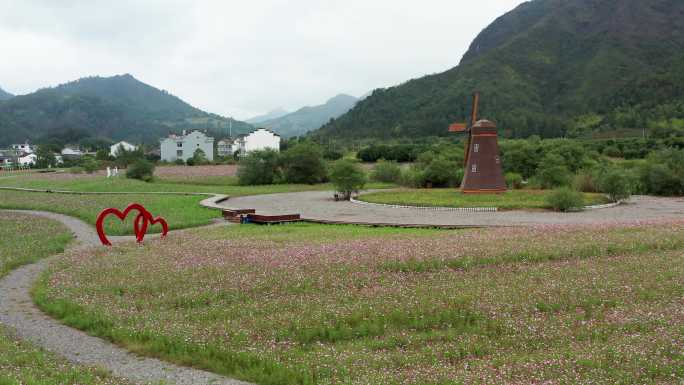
column 511, row 200
column 25, row 239
column 203, row 184
column 310, row 304
column 179, row 211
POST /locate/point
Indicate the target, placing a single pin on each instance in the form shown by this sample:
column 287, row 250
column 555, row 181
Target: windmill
column 483, row 172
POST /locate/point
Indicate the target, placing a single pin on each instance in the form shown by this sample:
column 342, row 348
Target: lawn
column 25, row 239
column 511, row 200
column 179, row 211
column 312, row 304
column 203, row 184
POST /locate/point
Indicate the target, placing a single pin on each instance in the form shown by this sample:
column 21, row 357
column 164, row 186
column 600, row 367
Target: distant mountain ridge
column 550, row 68
column 4, row 95
column 307, row 119
column 117, row 108
column 275, row 114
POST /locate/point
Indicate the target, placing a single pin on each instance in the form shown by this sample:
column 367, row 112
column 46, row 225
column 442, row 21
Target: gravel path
column 319, row 206
column 18, row 311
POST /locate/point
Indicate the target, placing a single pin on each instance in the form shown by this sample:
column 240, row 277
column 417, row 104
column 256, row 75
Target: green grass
column 511, row 200
column 26, row 239
column 203, row 184
column 313, row 304
column 179, row 211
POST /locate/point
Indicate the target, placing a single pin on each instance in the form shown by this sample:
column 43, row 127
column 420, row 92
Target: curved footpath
column 18, row 311
column 318, row 206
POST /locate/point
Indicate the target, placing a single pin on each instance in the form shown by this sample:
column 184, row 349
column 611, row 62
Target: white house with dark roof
column 115, row 148
column 259, row 139
column 184, row 146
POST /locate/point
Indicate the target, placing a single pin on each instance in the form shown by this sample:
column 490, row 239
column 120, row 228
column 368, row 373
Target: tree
column 199, row 157
column 616, row 184
column 347, row 177
column 259, row 168
column 565, row 199
column 303, row 163
column 45, row 157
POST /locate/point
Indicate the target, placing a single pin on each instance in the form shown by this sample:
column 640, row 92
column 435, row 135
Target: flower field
column 311, row 304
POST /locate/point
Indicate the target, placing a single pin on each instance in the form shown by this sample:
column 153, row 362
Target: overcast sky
column 238, row 58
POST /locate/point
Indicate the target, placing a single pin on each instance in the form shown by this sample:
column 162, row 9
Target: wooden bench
column 273, row 219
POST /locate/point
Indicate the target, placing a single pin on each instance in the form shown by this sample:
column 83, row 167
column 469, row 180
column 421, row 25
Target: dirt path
column 319, row 206
column 18, row 311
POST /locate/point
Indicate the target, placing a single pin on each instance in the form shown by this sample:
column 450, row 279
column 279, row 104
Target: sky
column 239, row 58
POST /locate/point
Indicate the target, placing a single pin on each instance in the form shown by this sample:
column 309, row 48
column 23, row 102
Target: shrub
column 141, row 169
column 198, row 158
column 663, row 173
column 90, row 166
column 387, row 172
column 258, row 168
column 303, row 163
column 612, row 151
column 442, row 172
column 552, row 173
column 514, row 180
column 347, row 177
column 179, row 162
column 565, row 199
column 616, row 184
column 585, row 182
column 333, row 155
column 412, row 177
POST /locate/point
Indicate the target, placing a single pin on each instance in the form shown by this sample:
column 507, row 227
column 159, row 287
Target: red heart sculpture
column 140, row 224
column 148, row 220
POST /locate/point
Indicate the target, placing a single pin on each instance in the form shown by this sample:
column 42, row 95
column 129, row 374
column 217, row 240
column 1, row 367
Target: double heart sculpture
column 140, row 225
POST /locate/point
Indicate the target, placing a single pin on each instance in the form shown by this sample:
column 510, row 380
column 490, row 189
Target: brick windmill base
column 483, row 172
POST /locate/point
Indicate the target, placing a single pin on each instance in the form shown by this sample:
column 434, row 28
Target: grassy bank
column 305, row 304
column 511, row 200
column 26, row 239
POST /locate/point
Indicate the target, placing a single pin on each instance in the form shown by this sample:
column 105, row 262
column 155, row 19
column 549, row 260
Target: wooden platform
column 273, row 219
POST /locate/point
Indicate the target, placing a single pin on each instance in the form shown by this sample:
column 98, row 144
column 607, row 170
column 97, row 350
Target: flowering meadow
column 314, row 304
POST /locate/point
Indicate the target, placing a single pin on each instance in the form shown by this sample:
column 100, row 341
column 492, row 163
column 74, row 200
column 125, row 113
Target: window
column 179, row 144
column 179, row 153
column 477, row 147
column 474, row 168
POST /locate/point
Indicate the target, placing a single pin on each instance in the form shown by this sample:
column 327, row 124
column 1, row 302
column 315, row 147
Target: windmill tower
column 483, row 172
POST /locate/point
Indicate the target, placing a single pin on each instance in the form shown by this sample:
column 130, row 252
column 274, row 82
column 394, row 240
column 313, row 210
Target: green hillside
column 4, row 95
column 551, row 68
column 118, row 107
column 307, row 119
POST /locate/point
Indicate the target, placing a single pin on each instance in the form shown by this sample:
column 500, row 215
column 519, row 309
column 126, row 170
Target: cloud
column 238, row 58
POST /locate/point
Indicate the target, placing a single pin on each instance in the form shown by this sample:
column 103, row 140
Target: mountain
column 549, row 67
column 5, row 95
column 310, row 118
column 117, row 108
column 275, row 114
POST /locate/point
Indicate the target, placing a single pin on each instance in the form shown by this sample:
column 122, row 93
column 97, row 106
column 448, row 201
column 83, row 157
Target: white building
column 259, row 139
column 28, row 160
column 184, row 146
column 116, row 147
column 224, row 147
column 68, row 152
column 25, row 148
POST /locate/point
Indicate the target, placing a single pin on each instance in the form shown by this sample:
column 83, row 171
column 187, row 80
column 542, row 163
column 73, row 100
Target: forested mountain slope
column 549, row 67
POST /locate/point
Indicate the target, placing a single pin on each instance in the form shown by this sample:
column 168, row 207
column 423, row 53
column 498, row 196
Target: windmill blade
column 458, row 127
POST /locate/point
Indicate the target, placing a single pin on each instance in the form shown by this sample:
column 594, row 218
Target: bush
column 442, row 172
column 412, row 177
column 387, row 172
column 612, row 151
column 303, row 163
column 616, row 184
column 585, row 182
column 552, row 173
column 565, row 199
column 663, row 173
column 259, row 168
column 141, row 169
column 90, row 166
column 514, row 180
column 347, row 177
column 179, row 162
column 198, row 158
